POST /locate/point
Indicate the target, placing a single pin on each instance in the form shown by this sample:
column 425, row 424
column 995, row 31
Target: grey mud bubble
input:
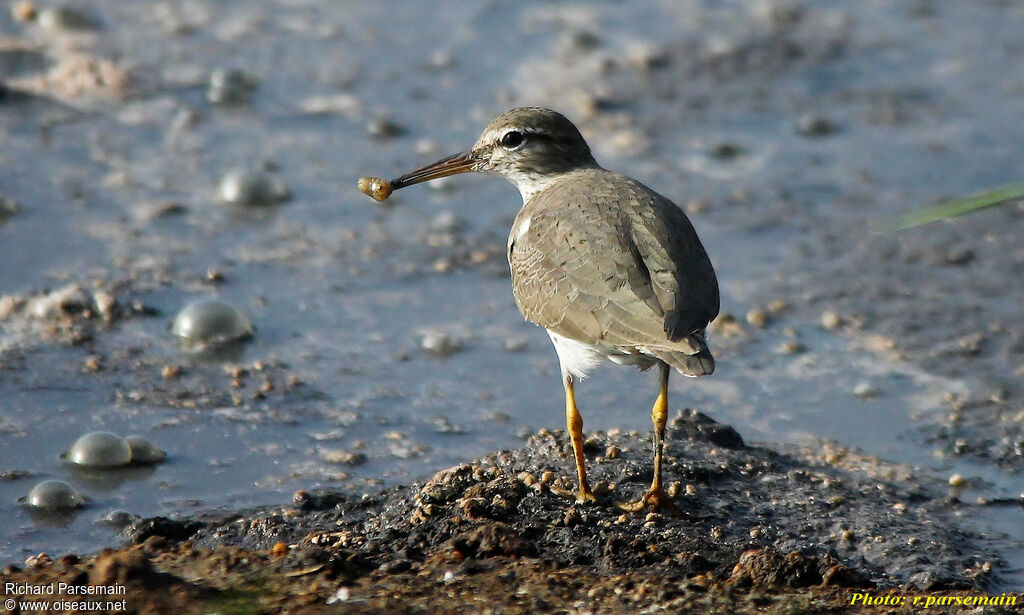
column 100, row 449
column 252, row 188
column 143, row 451
column 211, row 321
column 54, row 495
column 118, row 519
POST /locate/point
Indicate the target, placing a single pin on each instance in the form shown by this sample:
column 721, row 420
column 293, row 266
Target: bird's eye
column 512, row 139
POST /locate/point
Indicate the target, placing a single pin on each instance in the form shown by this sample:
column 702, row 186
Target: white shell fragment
column 143, row 451
column 211, row 321
column 54, row 495
column 100, row 449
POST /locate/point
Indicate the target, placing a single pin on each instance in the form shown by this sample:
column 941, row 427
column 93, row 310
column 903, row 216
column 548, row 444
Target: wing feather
column 618, row 265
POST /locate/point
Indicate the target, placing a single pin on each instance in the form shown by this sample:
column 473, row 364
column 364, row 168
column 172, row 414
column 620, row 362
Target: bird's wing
column 681, row 274
column 590, row 266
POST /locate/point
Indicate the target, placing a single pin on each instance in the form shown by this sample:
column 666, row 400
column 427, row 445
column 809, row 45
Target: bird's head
column 528, row 146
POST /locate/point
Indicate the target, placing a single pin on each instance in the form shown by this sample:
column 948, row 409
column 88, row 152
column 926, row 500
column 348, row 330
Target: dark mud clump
column 754, row 528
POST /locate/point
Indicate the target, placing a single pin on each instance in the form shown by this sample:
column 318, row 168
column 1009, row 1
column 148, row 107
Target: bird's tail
column 687, row 362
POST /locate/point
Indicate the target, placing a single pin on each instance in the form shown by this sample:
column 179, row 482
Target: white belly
column 578, row 359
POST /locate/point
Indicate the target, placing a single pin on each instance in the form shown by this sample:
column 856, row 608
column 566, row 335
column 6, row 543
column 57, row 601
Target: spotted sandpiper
column 609, row 267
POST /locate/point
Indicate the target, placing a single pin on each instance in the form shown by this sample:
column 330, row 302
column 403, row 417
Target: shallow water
column 340, row 290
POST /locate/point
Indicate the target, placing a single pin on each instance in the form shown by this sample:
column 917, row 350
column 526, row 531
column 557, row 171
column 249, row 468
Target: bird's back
column 602, row 259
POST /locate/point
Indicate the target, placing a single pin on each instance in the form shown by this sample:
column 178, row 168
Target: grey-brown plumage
column 615, row 265
column 608, row 266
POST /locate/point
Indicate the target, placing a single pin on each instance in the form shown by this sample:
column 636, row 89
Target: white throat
column 530, row 183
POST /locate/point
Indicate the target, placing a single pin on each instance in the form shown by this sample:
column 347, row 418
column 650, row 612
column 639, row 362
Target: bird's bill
column 463, row 162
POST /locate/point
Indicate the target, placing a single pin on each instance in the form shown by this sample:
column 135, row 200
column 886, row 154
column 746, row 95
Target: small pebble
column 866, row 390
column 443, row 424
column 60, row 303
column 516, row 344
column 696, row 206
column 23, row 11
column 830, row 320
column 524, row 432
column 8, row 207
column 214, row 276
column 791, row 347
column 66, row 18
column 9, row 304
column 441, row 59
column 815, row 126
column 384, row 128
column 725, row 151
column 170, row 372
column 100, row 449
column 38, row 561
column 54, row 495
column 211, row 321
column 341, row 595
column 757, row 317
column 343, row 457
column 440, row 344
column 230, row 86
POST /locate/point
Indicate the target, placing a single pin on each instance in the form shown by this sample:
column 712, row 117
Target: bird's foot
column 654, row 500
column 583, row 496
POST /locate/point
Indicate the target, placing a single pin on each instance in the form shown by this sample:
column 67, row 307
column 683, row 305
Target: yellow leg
column 655, row 498
column 659, row 416
column 574, row 423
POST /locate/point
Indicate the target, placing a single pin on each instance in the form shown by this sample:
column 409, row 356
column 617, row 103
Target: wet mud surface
column 156, row 154
column 755, row 530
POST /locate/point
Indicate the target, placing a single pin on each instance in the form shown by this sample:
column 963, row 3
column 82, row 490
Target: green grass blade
column 951, row 209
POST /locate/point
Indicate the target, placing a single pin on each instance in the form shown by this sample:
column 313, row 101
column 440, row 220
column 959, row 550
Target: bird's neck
column 530, row 182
